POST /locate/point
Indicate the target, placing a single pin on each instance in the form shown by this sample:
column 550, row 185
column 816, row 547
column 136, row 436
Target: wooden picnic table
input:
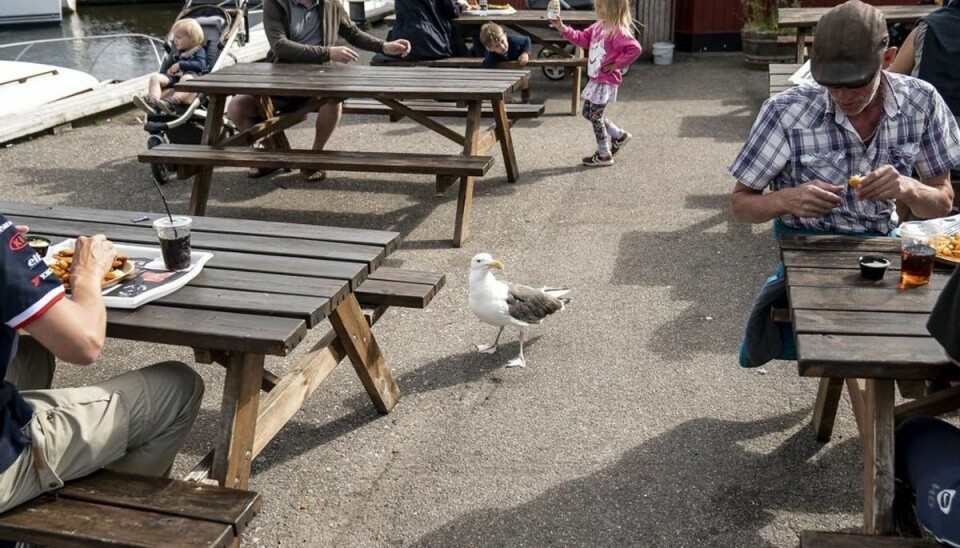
column 266, row 286
column 334, row 83
column 868, row 335
column 805, row 19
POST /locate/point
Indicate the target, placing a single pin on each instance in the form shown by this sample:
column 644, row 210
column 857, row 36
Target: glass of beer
column 916, row 256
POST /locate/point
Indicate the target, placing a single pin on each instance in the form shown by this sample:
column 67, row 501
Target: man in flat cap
column 808, row 141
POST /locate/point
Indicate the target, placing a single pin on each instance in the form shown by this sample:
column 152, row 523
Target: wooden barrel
column 760, row 48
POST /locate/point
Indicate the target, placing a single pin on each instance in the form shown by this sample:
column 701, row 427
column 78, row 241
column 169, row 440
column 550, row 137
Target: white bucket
column 662, row 53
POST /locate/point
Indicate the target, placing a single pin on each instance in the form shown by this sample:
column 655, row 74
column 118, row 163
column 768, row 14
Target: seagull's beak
column 496, row 264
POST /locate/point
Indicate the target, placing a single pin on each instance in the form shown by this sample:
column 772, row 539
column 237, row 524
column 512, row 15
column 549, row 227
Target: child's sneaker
column 147, row 104
column 168, row 106
column 617, row 144
column 597, row 160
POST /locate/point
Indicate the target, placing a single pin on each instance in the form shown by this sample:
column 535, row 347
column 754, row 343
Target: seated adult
column 135, row 422
column 427, row 25
column 859, row 120
column 927, row 452
column 306, row 31
column 930, row 53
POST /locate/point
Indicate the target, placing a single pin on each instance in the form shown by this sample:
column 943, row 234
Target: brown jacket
column 336, row 23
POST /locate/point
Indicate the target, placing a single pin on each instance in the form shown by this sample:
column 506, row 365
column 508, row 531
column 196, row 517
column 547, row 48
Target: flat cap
column 848, row 45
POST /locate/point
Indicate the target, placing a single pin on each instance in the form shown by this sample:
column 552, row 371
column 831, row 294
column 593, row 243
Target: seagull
column 502, row 303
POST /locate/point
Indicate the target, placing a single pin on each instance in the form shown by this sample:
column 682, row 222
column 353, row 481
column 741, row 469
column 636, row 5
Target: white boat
column 24, row 86
column 21, row 12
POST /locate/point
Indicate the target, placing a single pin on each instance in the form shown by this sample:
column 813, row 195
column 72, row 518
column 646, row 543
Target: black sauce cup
column 38, row 244
column 873, row 267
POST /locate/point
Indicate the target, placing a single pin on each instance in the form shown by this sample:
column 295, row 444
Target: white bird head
column 483, row 262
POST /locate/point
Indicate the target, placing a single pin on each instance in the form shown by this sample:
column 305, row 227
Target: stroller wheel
column 552, row 73
column 161, row 172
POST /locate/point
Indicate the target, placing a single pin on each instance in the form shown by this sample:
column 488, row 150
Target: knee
column 585, row 112
column 241, row 109
column 182, row 378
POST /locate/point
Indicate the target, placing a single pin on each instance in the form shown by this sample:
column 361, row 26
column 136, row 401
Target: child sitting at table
column 501, row 47
column 189, row 61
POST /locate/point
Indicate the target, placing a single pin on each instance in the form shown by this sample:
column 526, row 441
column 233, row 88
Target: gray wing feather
column 529, row 304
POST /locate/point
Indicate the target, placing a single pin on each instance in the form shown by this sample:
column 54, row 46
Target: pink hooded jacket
column 616, row 47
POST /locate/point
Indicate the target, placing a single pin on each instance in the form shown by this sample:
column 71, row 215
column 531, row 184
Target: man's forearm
column 929, row 199
column 756, row 207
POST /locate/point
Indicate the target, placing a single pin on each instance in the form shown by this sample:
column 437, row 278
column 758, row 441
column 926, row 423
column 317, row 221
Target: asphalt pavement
column 632, row 424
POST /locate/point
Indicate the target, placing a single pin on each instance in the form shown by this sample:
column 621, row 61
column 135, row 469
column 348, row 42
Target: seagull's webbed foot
column 487, row 348
column 517, row 362
column 490, row 348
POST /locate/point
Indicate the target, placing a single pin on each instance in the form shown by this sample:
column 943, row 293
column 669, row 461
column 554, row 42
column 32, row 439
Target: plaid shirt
column 800, row 136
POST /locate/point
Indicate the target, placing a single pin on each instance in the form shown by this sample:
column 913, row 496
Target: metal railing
column 112, row 38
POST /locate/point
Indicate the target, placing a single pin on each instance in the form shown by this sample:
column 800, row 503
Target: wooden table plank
column 843, row 322
column 337, row 92
column 864, row 299
column 877, row 357
column 832, row 277
column 206, row 329
column 266, row 245
column 840, row 243
column 389, row 240
column 808, row 17
column 310, row 309
column 281, row 284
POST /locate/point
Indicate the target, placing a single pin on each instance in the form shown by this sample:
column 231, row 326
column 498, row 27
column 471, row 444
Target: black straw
column 166, row 206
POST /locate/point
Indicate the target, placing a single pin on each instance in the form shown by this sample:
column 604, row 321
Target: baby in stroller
column 188, row 61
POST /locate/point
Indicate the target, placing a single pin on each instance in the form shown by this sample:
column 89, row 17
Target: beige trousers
column 135, row 422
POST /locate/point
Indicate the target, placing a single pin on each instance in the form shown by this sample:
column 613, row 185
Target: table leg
column 241, row 400
column 577, row 77
column 211, row 135
column 506, row 141
column 825, row 409
column 801, row 43
column 465, row 199
column 277, row 140
column 362, row 349
column 878, row 450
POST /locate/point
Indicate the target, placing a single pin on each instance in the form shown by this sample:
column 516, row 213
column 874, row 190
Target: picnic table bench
column 820, row 539
column 114, row 509
column 325, row 84
column 780, row 77
column 805, row 19
column 437, row 109
column 533, row 24
column 266, row 285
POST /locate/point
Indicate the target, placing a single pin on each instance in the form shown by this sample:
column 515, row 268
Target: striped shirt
column 800, row 136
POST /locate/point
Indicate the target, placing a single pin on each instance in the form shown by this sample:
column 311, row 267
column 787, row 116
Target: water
column 106, row 59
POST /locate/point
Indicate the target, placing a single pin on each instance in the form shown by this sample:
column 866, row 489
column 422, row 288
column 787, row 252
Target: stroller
column 224, row 25
column 558, row 73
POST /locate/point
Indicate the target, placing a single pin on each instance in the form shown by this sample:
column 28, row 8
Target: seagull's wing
column 529, row 304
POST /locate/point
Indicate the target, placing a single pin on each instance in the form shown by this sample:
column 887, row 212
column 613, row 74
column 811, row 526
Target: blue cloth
column 194, row 62
column 29, row 289
column 516, row 45
column 927, row 461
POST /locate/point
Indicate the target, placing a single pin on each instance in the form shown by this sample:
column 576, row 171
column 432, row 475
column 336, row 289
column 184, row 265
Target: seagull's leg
column 490, row 348
column 519, row 361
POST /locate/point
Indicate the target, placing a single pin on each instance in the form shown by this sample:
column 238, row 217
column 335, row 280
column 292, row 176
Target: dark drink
column 916, row 264
column 176, row 253
column 174, row 236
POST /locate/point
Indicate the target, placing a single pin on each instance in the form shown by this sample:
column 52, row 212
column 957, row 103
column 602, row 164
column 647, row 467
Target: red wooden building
column 714, row 25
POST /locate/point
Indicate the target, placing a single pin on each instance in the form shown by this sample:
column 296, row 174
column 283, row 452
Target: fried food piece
column 61, row 264
column 947, row 246
column 855, row 180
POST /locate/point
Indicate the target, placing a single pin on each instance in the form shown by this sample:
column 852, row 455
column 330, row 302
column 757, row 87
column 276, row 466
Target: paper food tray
column 152, row 280
column 932, row 227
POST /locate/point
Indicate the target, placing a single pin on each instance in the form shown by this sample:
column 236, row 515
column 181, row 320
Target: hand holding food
column 94, row 256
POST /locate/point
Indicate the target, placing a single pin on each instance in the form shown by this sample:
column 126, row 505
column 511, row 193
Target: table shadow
column 695, row 485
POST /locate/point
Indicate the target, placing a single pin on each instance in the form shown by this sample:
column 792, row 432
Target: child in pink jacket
column 612, row 46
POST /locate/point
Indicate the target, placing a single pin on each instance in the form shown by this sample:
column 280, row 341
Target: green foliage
column 761, row 15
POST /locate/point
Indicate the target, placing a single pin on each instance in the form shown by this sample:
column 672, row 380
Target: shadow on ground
column 703, row 264
column 662, row 482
